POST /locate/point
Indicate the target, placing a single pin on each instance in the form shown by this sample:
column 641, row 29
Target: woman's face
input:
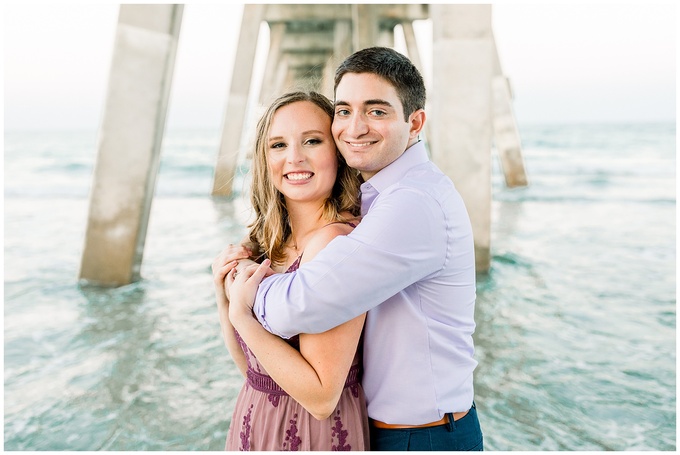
column 301, row 153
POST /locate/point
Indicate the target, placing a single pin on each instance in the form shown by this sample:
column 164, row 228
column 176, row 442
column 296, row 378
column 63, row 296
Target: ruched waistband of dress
column 266, row 384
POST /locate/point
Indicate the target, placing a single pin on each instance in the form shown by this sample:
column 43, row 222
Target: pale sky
column 567, row 62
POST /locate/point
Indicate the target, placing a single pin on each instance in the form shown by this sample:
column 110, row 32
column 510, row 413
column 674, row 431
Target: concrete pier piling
column 505, row 131
column 461, row 108
column 129, row 143
column 506, row 135
column 237, row 103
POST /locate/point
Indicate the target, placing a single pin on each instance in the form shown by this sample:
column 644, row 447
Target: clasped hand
column 242, row 287
column 236, row 278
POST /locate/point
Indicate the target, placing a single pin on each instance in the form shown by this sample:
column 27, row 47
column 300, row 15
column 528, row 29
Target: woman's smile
column 299, row 176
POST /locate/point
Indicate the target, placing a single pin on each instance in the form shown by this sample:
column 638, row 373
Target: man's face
column 369, row 126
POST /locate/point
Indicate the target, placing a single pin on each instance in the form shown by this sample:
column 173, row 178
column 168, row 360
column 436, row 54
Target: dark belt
column 443, row 421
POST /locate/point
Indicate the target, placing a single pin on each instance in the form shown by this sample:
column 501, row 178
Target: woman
column 303, row 393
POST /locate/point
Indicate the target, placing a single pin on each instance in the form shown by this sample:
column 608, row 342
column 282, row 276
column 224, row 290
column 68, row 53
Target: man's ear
column 417, row 121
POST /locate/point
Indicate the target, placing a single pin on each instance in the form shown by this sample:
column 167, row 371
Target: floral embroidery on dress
column 292, row 437
column 245, row 434
column 354, row 388
column 337, row 431
column 274, row 399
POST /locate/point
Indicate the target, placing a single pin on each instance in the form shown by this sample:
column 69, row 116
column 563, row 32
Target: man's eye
column 342, row 112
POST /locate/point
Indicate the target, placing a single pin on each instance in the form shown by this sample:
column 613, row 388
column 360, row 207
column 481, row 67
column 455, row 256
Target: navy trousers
column 459, row 435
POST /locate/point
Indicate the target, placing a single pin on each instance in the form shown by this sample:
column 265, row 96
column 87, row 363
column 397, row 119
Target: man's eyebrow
column 372, row 102
column 377, row 101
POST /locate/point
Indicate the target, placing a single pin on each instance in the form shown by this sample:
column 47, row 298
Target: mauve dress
column 267, row 418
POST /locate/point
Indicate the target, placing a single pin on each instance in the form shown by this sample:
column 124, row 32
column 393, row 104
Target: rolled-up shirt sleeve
column 400, row 241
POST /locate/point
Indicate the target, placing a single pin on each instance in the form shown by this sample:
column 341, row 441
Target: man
column 409, row 264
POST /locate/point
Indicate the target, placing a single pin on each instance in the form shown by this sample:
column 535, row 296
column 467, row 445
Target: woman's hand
column 243, row 288
column 224, row 263
column 227, row 261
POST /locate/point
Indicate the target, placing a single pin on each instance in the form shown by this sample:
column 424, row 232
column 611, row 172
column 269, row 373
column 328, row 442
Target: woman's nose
column 295, row 154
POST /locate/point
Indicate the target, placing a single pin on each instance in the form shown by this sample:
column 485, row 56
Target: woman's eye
column 277, row 145
column 313, row 141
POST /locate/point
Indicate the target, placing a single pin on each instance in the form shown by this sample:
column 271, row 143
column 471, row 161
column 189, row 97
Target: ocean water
column 576, row 320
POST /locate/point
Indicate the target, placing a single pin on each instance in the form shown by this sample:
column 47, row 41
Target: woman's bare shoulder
column 323, row 237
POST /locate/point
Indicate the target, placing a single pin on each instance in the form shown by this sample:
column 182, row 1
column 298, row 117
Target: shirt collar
column 393, row 172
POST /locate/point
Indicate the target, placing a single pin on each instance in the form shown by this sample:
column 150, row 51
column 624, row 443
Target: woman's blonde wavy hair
column 270, row 230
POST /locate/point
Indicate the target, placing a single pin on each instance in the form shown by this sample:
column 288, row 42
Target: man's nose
column 357, row 125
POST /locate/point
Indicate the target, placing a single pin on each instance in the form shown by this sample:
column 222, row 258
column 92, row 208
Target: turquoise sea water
column 576, row 321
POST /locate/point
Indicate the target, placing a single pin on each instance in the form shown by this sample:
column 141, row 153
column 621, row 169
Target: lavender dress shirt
column 410, row 265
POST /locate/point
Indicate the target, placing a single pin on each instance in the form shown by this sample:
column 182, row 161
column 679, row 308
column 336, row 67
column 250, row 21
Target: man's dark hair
column 392, row 66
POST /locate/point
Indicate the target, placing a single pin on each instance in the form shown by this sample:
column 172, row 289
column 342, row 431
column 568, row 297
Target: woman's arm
column 315, row 375
column 224, row 263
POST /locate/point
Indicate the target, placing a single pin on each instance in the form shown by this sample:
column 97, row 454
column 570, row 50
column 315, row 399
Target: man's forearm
column 355, row 273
